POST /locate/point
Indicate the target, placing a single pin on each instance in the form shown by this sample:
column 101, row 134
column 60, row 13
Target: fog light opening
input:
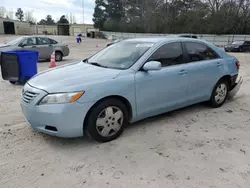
column 51, row 128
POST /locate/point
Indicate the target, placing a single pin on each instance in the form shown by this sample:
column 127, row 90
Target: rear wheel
column 219, row 94
column 106, row 121
column 58, row 56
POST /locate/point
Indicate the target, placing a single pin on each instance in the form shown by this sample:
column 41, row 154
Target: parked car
column 44, row 45
column 238, row 46
column 126, row 82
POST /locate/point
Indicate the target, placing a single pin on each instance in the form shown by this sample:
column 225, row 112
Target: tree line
column 173, row 16
column 28, row 17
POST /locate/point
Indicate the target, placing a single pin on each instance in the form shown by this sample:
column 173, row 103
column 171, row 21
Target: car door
column 165, row 89
column 44, row 47
column 205, row 68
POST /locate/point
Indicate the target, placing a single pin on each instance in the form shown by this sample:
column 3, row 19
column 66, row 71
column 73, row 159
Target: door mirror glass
column 152, row 65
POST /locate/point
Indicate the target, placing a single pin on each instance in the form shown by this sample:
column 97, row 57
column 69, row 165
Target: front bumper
column 235, row 88
column 66, row 119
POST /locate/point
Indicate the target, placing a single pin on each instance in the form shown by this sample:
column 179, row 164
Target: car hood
column 3, row 45
column 71, row 77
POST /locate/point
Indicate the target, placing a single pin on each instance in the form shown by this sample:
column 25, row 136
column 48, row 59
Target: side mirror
column 21, row 45
column 152, row 65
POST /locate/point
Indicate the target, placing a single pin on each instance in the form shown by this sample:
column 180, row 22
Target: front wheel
column 219, row 94
column 106, row 121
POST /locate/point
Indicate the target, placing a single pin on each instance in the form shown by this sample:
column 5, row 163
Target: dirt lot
column 194, row 147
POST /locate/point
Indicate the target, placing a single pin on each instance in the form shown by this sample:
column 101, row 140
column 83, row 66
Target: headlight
column 59, row 98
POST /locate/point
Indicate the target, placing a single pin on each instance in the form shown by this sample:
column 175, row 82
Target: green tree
column 20, row 14
column 173, row 16
column 49, row 20
column 63, row 20
column 100, row 15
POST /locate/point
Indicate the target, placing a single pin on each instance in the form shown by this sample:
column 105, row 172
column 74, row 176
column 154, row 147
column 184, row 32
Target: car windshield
column 15, row 41
column 120, row 55
column 238, row 42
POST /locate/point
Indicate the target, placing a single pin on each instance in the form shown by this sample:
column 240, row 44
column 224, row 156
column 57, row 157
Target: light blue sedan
column 126, row 82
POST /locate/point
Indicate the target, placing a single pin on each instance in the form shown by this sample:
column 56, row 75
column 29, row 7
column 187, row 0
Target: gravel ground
column 188, row 148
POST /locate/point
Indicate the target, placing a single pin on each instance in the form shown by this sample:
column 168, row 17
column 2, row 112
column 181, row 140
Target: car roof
column 35, row 36
column 162, row 39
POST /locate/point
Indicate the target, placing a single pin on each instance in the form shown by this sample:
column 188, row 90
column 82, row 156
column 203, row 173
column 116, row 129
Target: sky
column 56, row 8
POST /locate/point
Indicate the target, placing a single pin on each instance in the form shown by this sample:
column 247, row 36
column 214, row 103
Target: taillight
column 238, row 65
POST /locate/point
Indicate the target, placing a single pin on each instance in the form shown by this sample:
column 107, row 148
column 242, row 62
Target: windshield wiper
column 97, row 64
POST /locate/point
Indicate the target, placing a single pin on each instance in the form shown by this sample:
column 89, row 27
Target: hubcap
column 221, row 93
column 58, row 57
column 109, row 121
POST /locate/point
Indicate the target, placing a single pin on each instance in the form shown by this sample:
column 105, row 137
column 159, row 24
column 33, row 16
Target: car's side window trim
column 37, row 41
column 146, row 59
column 198, row 42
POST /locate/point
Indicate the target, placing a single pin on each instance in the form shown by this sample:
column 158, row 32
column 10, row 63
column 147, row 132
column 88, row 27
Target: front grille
column 28, row 96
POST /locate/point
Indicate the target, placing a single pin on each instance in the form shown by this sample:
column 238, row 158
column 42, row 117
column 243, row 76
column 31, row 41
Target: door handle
column 218, row 64
column 182, row 72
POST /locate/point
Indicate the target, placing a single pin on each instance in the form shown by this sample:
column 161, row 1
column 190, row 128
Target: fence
column 218, row 40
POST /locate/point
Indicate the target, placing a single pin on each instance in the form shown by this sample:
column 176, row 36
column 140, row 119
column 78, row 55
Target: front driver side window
column 168, row 54
column 29, row 42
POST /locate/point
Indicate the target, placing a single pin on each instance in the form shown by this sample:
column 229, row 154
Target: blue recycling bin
column 18, row 66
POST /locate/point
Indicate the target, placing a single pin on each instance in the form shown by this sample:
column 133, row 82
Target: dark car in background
column 238, row 46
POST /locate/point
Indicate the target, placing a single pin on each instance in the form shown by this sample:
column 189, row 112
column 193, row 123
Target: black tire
column 91, row 128
column 218, row 103
column 13, row 82
column 58, row 56
column 24, row 80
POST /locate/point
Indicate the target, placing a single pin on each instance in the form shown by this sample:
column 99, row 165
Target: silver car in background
column 44, row 45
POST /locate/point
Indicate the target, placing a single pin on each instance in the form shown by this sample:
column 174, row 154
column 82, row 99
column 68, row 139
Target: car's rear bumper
column 66, row 52
column 235, row 88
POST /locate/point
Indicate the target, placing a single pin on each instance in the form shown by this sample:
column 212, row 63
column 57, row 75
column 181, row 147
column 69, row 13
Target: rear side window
column 53, row 41
column 199, row 52
column 43, row 41
column 168, row 54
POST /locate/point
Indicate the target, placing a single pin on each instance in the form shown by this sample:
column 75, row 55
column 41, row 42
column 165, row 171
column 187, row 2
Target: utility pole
column 83, row 11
